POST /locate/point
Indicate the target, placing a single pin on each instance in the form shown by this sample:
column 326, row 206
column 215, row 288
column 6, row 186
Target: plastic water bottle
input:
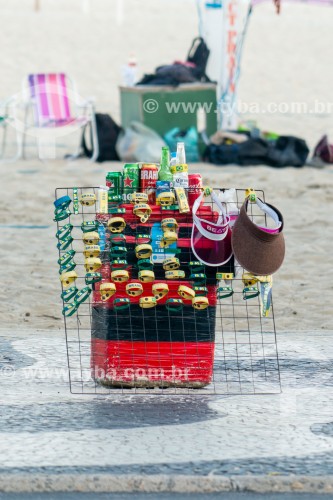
column 181, row 156
column 130, row 72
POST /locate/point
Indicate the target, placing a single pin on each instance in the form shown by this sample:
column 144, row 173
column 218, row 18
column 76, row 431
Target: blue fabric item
column 190, row 139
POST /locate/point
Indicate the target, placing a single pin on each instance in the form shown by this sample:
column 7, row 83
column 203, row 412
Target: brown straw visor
column 258, row 251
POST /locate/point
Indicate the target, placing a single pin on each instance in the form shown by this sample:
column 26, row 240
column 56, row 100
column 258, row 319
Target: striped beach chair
column 50, row 101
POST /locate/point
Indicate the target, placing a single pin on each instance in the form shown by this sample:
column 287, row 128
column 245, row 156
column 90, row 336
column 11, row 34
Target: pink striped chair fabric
column 49, row 94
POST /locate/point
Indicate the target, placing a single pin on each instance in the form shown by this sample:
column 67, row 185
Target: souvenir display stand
column 143, row 315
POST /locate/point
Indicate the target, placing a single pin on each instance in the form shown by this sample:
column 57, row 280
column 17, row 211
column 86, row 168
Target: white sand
column 286, row 59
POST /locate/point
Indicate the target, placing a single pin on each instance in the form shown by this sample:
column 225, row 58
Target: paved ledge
column 106, row 483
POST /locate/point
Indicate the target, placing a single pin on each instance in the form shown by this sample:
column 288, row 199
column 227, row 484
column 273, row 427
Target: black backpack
column 107, row 135
column 198, row 55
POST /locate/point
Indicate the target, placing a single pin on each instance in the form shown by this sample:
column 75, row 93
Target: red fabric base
column 152, row 363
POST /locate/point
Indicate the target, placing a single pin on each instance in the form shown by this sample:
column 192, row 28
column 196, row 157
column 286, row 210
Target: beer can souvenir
column 194, row 188
column 162, row 187
column 149, row 176
column 114, row 181
column 131, row 181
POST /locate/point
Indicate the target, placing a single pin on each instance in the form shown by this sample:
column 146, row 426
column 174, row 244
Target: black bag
column 286, row 151
column 107, row 135
column 198, row 55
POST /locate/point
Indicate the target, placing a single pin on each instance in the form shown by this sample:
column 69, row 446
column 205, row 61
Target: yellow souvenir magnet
column 87, row 199
column 171, row 264
column 143, row 251
column 116, row 224
column 91, row 251
column 107, row 290
column 186, row 292
column 160, row 290
column 91, row 238
column 134, row 289
column 92, row 264
column 200, row 303
column 249, row 280
column 120, row 276
column 225, row 276
column 137, row 198
column 169, row 224
column 182, row 200
column 143, row 211
column 166, row 199
column 251, row 195
column 146, row 276
column 147, row 302
column 68, row 278
column 174, row 275
column 168, row 238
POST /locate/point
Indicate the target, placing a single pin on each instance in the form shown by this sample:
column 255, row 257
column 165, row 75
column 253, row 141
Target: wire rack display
column 118, row 344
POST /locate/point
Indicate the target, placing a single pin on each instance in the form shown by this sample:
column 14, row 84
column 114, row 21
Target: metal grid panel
column 245, row 349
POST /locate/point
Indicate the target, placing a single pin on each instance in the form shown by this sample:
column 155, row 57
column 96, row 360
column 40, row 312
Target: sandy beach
column 281, row 62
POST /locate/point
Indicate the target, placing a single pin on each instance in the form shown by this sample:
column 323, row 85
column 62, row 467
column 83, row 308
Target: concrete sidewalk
column 51, row 440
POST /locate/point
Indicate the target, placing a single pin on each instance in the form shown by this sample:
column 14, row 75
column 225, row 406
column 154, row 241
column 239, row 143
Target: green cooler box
column 162, row 108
